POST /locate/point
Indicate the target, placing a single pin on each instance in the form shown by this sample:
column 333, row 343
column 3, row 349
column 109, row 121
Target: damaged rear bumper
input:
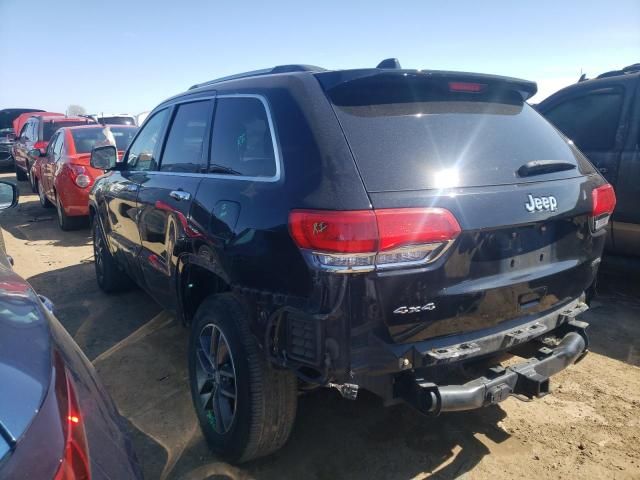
column 529, row 378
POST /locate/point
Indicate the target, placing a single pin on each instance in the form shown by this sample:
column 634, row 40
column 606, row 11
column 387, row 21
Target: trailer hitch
column 530, row 378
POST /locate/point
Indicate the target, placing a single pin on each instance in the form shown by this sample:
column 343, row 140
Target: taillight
column 362, row 240
column 603, row 204
column 74, row 464
column 79, row 175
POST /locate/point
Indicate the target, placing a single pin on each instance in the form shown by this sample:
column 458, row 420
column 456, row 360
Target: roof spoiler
column 525, row 88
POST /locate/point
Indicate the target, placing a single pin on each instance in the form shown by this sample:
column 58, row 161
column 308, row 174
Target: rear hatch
column 521, row 193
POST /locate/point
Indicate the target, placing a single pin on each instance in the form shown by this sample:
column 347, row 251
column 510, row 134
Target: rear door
column 47, row 165
column 166, row 195
column 465, row 144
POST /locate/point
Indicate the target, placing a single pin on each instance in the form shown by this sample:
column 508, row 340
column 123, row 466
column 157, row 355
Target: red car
column 34, row 136
column 63, row 176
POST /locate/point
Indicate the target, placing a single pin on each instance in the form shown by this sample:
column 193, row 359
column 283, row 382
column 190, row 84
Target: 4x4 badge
column 417, row 309
column 541, row 203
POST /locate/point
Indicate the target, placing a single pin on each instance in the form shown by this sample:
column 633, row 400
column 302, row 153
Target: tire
column 34, row 183
column 109, row 276
column 265, row 404
column 21, row 175
column 44, row 201
column 65, row 222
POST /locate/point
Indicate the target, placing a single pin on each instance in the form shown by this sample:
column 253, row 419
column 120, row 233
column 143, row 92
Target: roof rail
column 635, row 68
column 264, row 71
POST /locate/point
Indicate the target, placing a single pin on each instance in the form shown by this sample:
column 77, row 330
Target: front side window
column 87, row 138
column 591, row 121
column 183, row 151
column 242, row 141
column 143, row 150
column 25, row 133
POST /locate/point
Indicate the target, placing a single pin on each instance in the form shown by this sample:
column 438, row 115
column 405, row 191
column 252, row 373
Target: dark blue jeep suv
column 380, row 229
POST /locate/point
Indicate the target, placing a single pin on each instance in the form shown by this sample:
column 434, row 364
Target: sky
column 127, row 56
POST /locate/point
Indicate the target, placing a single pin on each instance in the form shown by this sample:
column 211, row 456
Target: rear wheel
column 44, row 201
column 34, row 183
column 109, row 276
column 66, row 222
column 246, row 408
column 21, row 175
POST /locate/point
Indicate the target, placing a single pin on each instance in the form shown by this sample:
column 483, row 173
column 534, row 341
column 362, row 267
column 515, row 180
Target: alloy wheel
column 216, row 377
column 41, row 195
column 98, row 252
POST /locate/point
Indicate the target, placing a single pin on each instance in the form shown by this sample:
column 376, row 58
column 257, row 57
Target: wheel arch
column 195, row 281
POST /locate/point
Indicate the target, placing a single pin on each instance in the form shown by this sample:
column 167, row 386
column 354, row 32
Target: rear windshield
column 49, row 128
column 87, row 138
column 117, row 120
column 413, row 133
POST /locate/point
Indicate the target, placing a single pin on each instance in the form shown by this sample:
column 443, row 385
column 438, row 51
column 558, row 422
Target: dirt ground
column 589, row 427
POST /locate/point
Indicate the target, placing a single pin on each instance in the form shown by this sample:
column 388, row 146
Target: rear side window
column 183, row 151
column 143, row 150
column 49, row 128
column 242, row 140
column 86, row 138
column 591, row 121
column 117, row 120
column 57, row 148
column 413, row 133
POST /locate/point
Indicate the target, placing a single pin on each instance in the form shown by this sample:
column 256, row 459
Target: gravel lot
column 589, row 427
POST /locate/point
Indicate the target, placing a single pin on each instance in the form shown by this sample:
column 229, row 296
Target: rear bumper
column 75, row 200
column 433, row 375
column 529, row 378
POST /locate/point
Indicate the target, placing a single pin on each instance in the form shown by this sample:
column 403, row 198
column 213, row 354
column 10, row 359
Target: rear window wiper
column 215, row 168
column 538, row 167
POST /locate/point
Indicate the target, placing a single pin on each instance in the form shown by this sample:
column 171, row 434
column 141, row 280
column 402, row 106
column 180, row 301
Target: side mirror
column 8, row 195
column 36, row 152
column 104, row 157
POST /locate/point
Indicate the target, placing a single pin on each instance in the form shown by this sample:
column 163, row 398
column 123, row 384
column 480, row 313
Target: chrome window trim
column 274, row 142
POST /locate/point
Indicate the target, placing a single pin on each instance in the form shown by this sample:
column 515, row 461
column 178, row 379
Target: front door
column 626, row 218
column 595, row 118
column 24, row 143
column 165, row 198
column 120, row 192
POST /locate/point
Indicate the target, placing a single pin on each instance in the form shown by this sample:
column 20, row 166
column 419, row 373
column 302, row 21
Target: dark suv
column 394, row 230
column 7, row 134
column 602, row 117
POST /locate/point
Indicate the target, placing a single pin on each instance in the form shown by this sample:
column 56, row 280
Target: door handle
column 603, row 170
column 180, row 195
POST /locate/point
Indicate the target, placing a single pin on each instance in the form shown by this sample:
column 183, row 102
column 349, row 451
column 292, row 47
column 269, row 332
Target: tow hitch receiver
column 530, row 378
